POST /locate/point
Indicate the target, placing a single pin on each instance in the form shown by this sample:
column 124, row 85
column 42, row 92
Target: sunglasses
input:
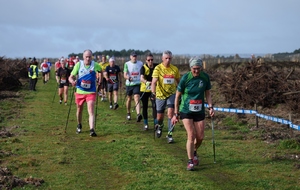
column 149, row 59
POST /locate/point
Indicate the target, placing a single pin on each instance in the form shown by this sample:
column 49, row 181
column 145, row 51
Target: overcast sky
column 55, row 28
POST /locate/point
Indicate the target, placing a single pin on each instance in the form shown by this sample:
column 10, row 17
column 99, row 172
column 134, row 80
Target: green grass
column 123, row 156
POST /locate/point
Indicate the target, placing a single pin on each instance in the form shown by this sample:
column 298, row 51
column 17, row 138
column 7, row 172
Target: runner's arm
column 153, row 85
column 72, row 80
column 209, row 102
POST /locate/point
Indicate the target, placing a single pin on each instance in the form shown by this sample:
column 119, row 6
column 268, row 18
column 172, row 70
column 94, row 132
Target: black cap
column 133, row 53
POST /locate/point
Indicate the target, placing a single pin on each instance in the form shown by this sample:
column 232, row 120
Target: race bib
column 195, row 105
column 63, row 80
column 113, row 76
column 168, row 79
column 85, row 84
column 135, row 76
column 45, row 68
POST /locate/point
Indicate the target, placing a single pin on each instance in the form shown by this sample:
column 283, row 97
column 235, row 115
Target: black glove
column 152, row 96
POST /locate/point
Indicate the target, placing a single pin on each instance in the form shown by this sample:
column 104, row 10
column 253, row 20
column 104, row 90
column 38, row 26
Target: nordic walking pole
column 213, row 138
column 172, row 128
column 69, row 109
column 125, row 93
column 138, row 102
column 55, row 93
column 124, row 99
column 96, row 107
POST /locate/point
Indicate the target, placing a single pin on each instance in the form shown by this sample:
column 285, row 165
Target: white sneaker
column 128, row 117
column 146, row 127
column 170, row 139
column 102, row 99
column 110, row 106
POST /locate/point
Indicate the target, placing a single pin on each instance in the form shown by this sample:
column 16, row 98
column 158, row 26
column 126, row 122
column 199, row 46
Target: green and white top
column 193, row 92
column 133, row 71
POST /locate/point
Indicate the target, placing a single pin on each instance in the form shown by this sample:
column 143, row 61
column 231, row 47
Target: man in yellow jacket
column 33, row 74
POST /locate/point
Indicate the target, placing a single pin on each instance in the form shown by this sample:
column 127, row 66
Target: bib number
column 113, row 77
column 135, row 76
column 85, row 84
column 168, row 79
column 195, row 105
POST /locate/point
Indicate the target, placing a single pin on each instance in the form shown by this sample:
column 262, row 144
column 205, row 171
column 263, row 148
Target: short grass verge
column 123, row 156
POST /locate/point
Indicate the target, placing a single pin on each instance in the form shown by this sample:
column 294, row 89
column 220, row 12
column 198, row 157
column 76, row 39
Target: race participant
column 45, row 69
column 71, row 63
column 164, row 81
column 112, row 74
column 103, row 85
column 62, row 78
column 192, row 88
column 76, row 60
column 50, row 65
column 85, row 89
column 146, row 79
column 57, row 64
column 132, row 76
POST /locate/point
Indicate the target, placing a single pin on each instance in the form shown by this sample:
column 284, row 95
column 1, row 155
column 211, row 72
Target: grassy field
column 123, row 156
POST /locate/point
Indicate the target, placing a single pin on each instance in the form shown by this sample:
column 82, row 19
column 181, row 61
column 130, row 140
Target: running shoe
column 60, row 101
column 110, row 106
column 102, row 99
column 128, row 116
column 92, row 133
column 190, row 166
column 66, row 103
column 116, row 105
column 79, row 127
column 139, row 118
column 146, row 127
column 158, row 130
column 195, row 161
column 170, row 139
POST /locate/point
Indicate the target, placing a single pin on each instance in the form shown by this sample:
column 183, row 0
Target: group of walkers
column 183, row 98
column 180, row 97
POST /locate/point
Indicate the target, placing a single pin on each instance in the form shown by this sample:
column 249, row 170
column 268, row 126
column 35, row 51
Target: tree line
column 297, row 51
column 122, row 53
column 126, row 53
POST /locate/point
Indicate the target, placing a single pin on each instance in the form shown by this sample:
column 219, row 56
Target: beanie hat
column 194, row 61
column 111, row 59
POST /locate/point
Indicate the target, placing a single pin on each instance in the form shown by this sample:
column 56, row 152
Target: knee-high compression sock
column 155, row 121
column 146, row 121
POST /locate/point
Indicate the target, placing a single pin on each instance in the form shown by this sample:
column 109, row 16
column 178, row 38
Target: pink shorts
column 81, row 98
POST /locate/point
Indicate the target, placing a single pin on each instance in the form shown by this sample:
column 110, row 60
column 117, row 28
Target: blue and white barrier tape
column 267, row 117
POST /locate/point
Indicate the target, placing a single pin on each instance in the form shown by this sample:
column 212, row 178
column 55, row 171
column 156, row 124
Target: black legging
column 145, row 100
column 33, row 84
